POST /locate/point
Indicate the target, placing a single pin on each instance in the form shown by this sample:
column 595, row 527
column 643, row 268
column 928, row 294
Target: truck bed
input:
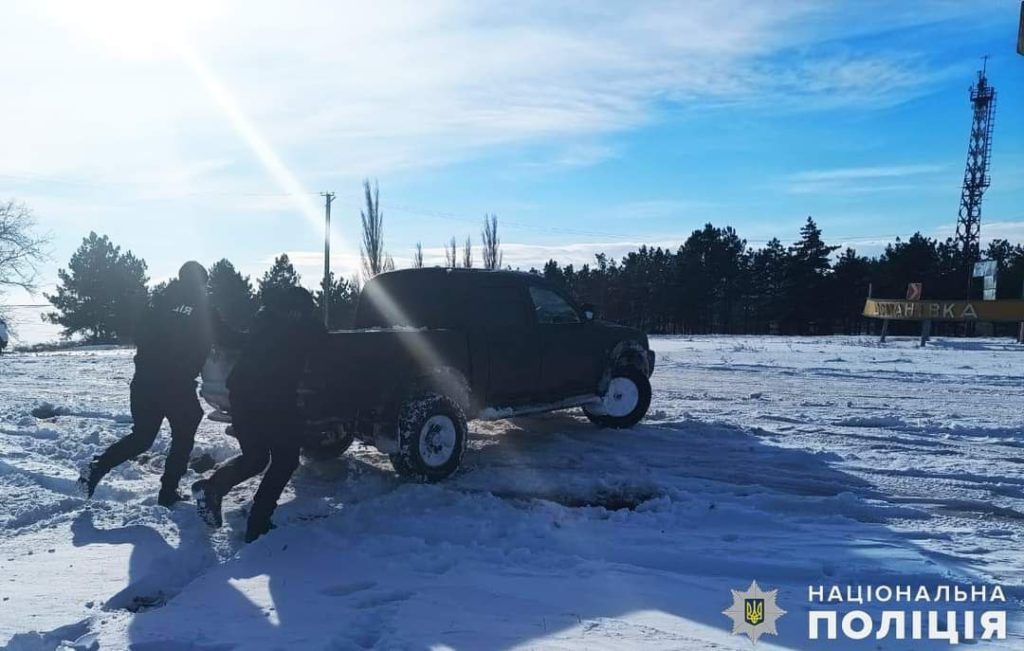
column 362, row 368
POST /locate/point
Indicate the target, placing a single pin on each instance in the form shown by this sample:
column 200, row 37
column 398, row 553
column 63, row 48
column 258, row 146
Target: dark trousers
column 151, row 404
column 265, row 437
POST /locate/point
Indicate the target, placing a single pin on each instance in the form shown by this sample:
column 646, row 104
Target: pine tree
column 554, row 274
column 280, row 276
column 848, row 287
column 707, row 271
column 767, row 283
column 807, row 266
column 342, row 296
column 101, row 294
column 916, row 260
column 158, row 289
column 232, row 294
column 1010, row 263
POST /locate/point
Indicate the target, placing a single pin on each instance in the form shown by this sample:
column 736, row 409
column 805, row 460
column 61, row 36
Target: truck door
column 569, row 359
column 502, row 329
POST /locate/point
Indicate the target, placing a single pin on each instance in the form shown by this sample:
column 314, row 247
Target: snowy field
column 791, row 461
column 27, row 326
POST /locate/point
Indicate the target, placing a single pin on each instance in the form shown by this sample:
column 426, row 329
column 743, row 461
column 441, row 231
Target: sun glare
column 148, row 31
column 249, row 133
column 135, row 30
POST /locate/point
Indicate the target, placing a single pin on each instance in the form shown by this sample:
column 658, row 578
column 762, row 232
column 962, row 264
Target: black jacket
column 267, row 375
column 175, row 334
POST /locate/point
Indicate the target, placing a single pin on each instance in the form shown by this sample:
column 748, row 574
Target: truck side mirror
column 588, row 312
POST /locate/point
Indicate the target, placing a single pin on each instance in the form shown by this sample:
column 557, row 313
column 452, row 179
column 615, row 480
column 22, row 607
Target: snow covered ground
column 791, row 461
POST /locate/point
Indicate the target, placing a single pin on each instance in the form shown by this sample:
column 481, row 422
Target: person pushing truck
column 263, row 389
column 173, row 339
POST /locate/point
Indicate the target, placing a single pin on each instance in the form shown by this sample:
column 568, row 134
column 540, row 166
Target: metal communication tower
column 976, row 179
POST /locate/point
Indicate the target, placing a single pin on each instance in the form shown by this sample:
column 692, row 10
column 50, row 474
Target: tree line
column 103, row 290
column 713, row 283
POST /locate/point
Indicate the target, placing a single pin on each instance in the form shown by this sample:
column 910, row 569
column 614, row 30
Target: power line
column 448, row 216
column 408, row 209
column 104, row 185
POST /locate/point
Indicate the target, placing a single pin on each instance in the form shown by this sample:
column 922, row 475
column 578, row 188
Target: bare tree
column 417, row 257
column 389, row 263
column 451, row 255
column 493, row 256
column 467, row 253
column 375, row 258
column 21, row 248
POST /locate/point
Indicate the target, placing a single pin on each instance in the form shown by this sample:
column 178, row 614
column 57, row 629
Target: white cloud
column 854, row 180
column 573, row 156
column 111, row 123
column 350, row 89
column 859, row 173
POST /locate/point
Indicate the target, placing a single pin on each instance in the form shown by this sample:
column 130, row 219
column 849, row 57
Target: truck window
column 552, row 308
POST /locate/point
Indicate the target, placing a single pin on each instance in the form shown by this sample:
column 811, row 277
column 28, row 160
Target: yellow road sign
column 1006, row 310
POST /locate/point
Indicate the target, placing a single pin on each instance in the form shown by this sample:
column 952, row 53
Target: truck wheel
column 327, row 445
column 432, row 436
column 626, row 401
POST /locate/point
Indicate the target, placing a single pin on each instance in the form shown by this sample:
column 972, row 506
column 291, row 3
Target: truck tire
column 626, row 402
column 432, row 437
column 327, row 445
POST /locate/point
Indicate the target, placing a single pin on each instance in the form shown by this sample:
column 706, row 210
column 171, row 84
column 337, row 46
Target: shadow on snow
column 553, row 530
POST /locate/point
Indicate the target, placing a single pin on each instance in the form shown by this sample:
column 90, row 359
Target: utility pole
column 1020, row 31
column 328, row 199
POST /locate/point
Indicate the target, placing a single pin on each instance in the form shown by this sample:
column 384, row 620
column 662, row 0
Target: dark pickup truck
column 433, row 348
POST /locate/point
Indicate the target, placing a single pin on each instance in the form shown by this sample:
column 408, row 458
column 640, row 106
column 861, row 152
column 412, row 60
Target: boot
column 257, row 526
column 90, row 477
column 208, row 503
column 169, row 496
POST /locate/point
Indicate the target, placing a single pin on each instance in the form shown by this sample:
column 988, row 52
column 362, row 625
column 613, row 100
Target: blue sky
column 206, row 129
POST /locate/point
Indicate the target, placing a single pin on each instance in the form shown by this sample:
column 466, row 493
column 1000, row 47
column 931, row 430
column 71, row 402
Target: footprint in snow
column 374, row 601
